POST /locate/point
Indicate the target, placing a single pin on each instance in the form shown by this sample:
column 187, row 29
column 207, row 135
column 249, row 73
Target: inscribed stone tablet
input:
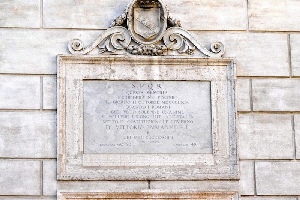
column 147, row 117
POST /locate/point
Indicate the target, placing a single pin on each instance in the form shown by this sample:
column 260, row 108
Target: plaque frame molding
column 73, row 164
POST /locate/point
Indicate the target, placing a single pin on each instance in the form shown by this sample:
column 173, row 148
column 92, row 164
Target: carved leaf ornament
column 145, row 28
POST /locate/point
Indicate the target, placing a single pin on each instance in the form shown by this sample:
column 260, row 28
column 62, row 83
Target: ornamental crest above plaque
column 146, row 28
column 147, row 21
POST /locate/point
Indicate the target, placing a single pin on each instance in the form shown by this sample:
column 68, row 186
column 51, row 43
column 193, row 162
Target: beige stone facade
column 261, row 36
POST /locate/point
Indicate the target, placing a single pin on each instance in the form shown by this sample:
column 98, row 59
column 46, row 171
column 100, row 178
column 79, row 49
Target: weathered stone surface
column 19, row 45
column 28, row 134
column 86, row 186
column 276, row 94
column 246, row 184
column 81, row 14
column 19, row 177
column 49, row 92
column 277, row 178
column 243, row 94
column 49, row 177
column 210, row 15
column 19, row 92
column 253, row 53
column 265, row 136
column 274, row 15
column 297, row 135
column 295, row 54
column 18, row 13
column 195, row 185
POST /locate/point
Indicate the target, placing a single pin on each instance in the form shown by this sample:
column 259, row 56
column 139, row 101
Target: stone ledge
column 147, row 194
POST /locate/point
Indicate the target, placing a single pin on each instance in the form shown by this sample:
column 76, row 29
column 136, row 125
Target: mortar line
column 35, row 197
column 294, row 137
column 254, row 179
column 66, row 28
column 41, row 92
column 105, row 28
column 41, row 13
column 41, row 173
column 289, row 55
column 251, row 95
column 269, row 160
column 27, row 158
column 191, row 30
column 269, row 196
column 27, row 110
column 265, row 77
column 149, row 184
column 26, row 74
column 270, row 112
column 247, row 15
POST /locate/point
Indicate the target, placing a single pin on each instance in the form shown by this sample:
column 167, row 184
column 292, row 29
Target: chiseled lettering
column 147, row 116
column 175, row 102
column 129, row 127
column 162, row 127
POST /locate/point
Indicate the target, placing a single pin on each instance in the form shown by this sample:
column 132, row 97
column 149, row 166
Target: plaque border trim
column 74, row 165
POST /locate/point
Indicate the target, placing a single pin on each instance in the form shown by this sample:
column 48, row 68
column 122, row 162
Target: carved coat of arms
column 147, row 21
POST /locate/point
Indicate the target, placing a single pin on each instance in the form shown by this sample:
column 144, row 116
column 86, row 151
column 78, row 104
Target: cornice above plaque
column 146, row 28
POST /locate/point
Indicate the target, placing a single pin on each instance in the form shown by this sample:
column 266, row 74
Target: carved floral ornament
column 146, row 28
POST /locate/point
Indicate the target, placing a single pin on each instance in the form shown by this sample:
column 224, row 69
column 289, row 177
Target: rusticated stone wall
column 262, row 36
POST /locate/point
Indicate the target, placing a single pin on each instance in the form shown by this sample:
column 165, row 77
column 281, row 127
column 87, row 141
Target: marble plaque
column 147, row 117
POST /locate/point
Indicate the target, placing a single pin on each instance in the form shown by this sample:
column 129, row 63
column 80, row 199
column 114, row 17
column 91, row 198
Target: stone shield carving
column 147, row 21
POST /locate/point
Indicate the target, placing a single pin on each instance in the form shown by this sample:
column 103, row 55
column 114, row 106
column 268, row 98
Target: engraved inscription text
column 147, row 117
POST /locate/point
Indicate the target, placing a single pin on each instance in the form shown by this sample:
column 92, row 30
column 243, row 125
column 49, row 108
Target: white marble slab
column 147, row 117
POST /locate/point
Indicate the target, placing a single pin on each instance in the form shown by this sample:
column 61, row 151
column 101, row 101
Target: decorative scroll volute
column 115, row 38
